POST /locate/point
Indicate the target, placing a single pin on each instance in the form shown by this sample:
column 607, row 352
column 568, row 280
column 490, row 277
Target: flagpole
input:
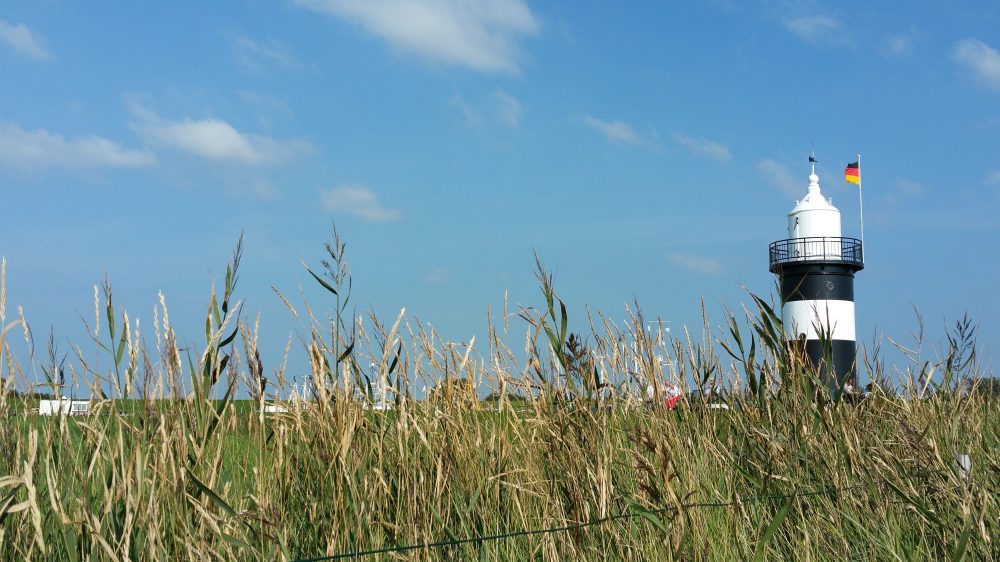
column 861, row 208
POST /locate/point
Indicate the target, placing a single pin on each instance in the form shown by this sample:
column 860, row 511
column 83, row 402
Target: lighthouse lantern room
column 815, row 266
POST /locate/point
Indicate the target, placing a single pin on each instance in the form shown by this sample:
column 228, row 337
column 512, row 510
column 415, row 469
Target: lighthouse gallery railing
column 824, row 248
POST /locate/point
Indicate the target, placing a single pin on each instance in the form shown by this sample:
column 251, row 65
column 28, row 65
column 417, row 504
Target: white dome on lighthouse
column 814, row 216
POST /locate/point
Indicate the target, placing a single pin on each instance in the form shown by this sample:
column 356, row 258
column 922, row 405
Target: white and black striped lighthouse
column 815, row 266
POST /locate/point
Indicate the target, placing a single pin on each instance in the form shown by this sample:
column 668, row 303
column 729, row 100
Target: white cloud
column 253, row 55
column 902, row 191
column 812, row 29
column 40, row 149
column 214, row 139
column 478, row 34
column 507, row 109
column 811, row 22
column 697, row 264
column 704, row 147
column 436, row 276
column 253, row 188
column 263, row 189
column 909, row 188
column 357, row 200
column 218, row 140
column 993, row 178
column 989, row 123
column 270, row 104
column 613, row 130
column 780, row 177
column 899, row 44
column 981, row 60
column 469, row 114
column 23, row 40
column 268, row 110
column 500, row 108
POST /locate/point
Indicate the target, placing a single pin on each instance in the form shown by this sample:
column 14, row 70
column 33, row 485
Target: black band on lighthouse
column 843, row 354
column 817, row 282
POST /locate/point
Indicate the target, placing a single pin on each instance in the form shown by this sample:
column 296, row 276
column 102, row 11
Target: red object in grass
column 671, row 403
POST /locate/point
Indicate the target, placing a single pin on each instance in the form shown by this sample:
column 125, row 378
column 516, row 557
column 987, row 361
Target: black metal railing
column 822, row 248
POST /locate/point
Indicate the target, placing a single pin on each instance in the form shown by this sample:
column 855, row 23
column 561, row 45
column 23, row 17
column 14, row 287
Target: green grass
column 192, row 476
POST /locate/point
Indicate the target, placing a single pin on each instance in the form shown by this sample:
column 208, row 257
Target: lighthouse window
column 829, row 285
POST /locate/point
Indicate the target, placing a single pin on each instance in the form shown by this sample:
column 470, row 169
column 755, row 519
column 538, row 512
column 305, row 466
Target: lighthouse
column 815, row 266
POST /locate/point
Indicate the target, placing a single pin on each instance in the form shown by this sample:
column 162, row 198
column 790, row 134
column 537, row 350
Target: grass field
column 790, row 471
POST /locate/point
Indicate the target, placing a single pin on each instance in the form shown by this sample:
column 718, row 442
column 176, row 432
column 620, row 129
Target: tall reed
column 169, row 466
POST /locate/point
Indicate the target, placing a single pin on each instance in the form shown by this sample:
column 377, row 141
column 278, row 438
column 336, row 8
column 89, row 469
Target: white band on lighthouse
column 818, row 319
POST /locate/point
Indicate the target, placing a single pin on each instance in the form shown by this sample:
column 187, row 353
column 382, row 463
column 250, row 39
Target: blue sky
column 645, row 152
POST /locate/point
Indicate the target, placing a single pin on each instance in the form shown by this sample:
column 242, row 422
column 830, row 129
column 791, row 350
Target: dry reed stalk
column 208, row 478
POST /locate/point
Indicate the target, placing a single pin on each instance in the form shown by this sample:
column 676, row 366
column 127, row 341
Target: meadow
column 567, row 459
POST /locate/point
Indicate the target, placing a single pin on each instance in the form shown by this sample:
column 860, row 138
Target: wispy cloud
column 254, row 188
column 479, row 34
column 704, row 147
column 910, row 188
column 899, row 44
column 779, row 176
column 988, row 123
column 267, row 109
column 617, row 131
column 810, row 22
column 816, row 29
column 40, row 149
column 255, row 56
column 359, row 201
column 993, row 178
column 981, row 60
column 507, row 108
column 697, row 264
column 903, row 190
column 26, row 42
column 500, row 109
column 470, row 115
column 214, row 139
column 259, row 101
column 436, row 276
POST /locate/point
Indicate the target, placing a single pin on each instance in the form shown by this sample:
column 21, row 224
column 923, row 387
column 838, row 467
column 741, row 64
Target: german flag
column 852, row 173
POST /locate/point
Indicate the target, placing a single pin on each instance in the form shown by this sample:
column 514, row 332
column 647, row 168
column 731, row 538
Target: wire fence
column 829, row 491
